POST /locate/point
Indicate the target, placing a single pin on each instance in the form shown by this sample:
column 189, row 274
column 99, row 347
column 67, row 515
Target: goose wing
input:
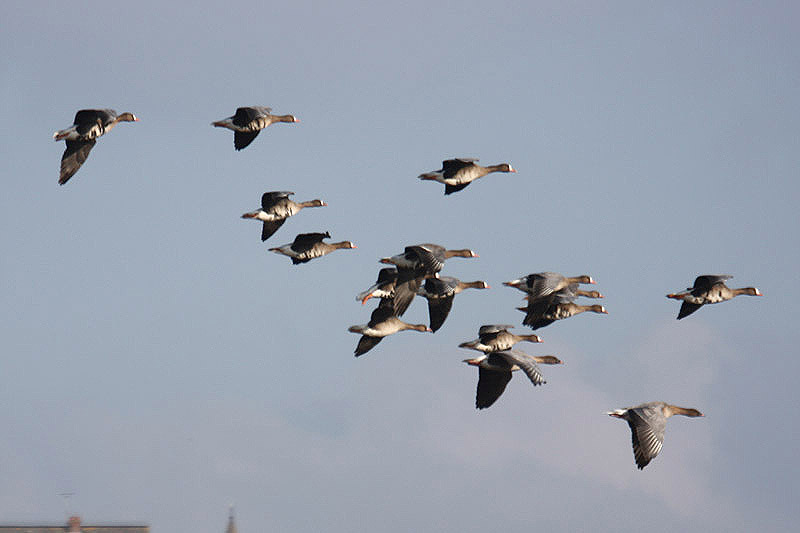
column 706, row 281
column 450, row 189
column 270, row 199
column 380, row 314
column 306, row 241
column 526, row 363
column 563, row 296
column 386, row 275
column 544, row 283
column 438, row 309
column 536, row 323
column 86, row 119
column 537, row 308
column 451, row 167
column 491, row 330
column 491, row 384
column 429, row 256
column 440, row 293
column 270, row 227
column 246, row 115
column 406, row 288
column 242, row 139
column 74, row 156
column 687, row 308
column 366, row 343
column 647, row 433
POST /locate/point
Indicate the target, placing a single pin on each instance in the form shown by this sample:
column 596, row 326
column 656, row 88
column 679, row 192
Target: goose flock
column 416, row 272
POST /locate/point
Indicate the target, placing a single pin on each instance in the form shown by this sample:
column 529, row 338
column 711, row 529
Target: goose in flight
column 708, row 289
column 494, row 372
column 248, row 122
column 647, row 422
column 89, row 124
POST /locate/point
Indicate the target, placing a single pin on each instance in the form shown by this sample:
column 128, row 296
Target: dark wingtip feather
column 74, row 156
column 242, row 139
column 365, row 344
column 269, row 228
column 438, row 311
column 687, row 309
column 449, row 189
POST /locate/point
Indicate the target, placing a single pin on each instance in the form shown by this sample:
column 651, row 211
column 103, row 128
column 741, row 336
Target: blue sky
column 160, row 363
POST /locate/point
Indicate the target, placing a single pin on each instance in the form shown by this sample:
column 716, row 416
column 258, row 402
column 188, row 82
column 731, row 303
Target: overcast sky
column 161, row 364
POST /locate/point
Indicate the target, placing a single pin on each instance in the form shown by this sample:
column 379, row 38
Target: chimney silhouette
column 231, row 522
column 74, row 524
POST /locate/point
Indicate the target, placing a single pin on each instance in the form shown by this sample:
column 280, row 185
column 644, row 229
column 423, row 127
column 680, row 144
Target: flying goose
column 89, row 124
column 307, row 246
column 544, row 310
column 558, row 310
column 494, row 372
column 440, row 293
column 276, row 207
column 382, row 323
column 459, row 172
column 249, row 121
column 414, row 265
column 545, row 283
column 497, row 338
column 647, row 422
column 708, row 289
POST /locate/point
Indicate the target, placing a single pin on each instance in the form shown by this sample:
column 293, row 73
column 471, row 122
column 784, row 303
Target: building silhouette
column 74, row 525
column 231, row 522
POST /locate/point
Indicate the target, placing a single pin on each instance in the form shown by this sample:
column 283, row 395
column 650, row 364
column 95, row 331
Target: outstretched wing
column 305, row 241
column 405, row 289
column 526, row 363
column 430, row 256
column 246, row 115
column 537, row 323
column 270, row 227
column 706, row 281
column 451, row 166
column 441, row 287
column 382, row 313
column 440, row 293
column 493, row 328
column 241, row 139
column 269, row 199
column 438, row 309
column 687, row 308
column 543, row 283
column 386, row 275
column 537, row 308
column 86, row 119
column 491, row 384
column 450, row 189
column 647, row 436
column 74, row 156
column 366, row 343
